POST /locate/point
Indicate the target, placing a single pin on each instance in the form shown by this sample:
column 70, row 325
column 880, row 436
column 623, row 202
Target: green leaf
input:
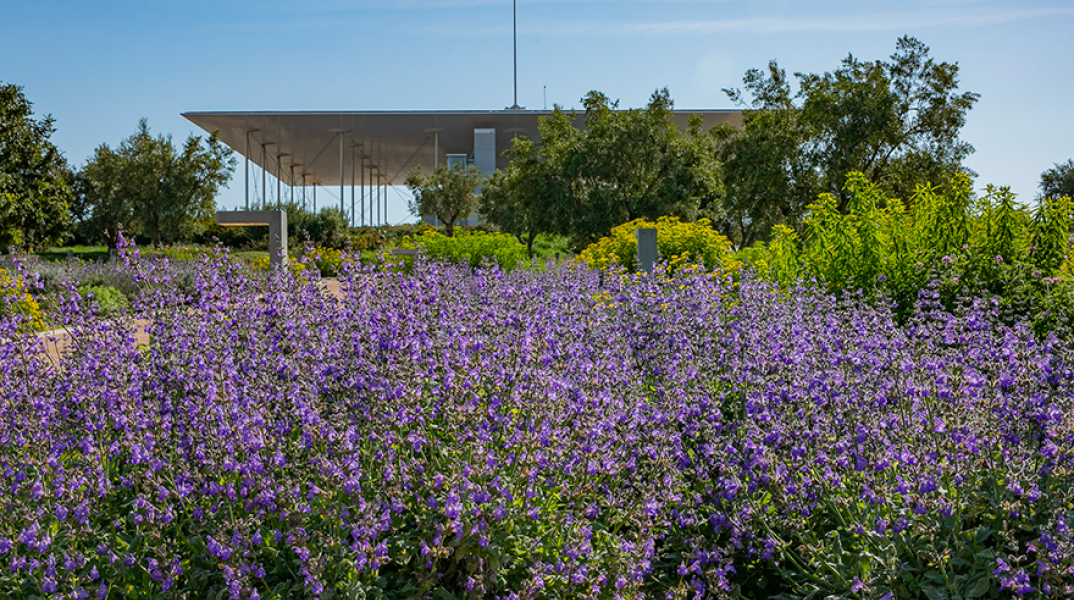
column 984, row 584
column 934, row 593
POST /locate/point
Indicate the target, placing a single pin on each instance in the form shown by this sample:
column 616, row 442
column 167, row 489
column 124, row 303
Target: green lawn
column 101, row 252
column 80, row 252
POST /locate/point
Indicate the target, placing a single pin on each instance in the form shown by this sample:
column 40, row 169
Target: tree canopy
column 35, row 191
column 449, row 194
column 531, row 195
column 895, row 121
column 1058, row 181
column 150, row 187
column 623, row 165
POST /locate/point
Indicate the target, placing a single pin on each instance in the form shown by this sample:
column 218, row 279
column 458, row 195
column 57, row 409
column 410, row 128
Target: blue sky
column 99, row 66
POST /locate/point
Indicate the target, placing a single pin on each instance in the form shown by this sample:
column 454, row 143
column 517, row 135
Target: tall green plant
column 991, row 247
column 1050, row 233
column 1001, row 225
column 942, row 216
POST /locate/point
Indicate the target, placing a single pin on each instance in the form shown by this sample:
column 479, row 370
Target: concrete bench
column 277, row 224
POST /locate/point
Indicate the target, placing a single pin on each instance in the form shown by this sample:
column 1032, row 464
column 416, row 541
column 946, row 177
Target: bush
column 108, row 300
column 990, row 246
column 56, row 280
column 178, row 252
column 327, row 262
column 677, row 242
column 472, row 248
column 16, row 303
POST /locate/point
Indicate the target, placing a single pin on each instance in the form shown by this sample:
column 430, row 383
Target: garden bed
column 475, row 433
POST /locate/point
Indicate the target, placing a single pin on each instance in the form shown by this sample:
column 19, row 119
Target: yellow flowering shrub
column 328, row 261
column 471, row 247
column 15, row 299
column 1066, row 270
column 679, row 243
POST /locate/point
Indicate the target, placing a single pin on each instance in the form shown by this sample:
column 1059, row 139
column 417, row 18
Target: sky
column 98, row 66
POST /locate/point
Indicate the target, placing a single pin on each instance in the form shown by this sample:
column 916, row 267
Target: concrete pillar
column 646, row 249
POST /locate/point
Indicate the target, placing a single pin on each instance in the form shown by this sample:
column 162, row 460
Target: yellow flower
column 14, row 297
column 682, row 244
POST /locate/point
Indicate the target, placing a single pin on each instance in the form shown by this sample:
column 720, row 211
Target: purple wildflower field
column 562, row 433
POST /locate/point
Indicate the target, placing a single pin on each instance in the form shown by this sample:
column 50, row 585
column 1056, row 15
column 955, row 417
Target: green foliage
column 548, row 245
column 449, row 194
column 1049, row 234
column 327, row 228
column 35, row 191
column 637, row 164
column 896, row 121
column 526, row 199
column 989, row 246
column 624, row 165
column 1000, row 225
column 149, row 187
column 327, row 262
column 780, row 259
column 767, row 179
column 17, row 302
column 471, row 248
column 108, row 300
column 376, row 238
column 77, row 253
column 1058, row 181
column 679, row 243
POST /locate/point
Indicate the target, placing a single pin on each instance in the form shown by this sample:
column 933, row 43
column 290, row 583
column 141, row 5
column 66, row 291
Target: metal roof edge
column 415, row 112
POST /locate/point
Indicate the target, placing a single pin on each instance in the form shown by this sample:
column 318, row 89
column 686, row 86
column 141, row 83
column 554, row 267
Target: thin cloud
column 975, row 16
column 884, row 22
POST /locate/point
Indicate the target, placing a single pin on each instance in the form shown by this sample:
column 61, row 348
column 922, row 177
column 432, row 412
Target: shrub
column 983, row 247
column 327, row 262
column 17, row 303
column 472, row 248
column 177, row 252
column 108, row 299
column 677, row 242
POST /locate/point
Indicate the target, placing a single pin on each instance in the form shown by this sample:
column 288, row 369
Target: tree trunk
column 111, row 238
column 529, row 243
column 449, row 227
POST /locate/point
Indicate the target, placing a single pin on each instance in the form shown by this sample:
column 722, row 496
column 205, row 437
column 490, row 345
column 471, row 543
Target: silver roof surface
column 393, row 142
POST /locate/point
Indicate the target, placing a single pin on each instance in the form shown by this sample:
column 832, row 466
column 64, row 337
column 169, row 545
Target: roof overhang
column 387, row 143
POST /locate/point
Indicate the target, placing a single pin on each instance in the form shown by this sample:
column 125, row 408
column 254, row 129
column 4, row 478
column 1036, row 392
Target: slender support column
column 352, row 220
column 436, row 150
column 291, row 197
column 341, row 173
column 314, row 197
column 361, row 192
column 514, row 48
column 303, row 191
column 279, row 181
column 264, row 180
column 246, row 155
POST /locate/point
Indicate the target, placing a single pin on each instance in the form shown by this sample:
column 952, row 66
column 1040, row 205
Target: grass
column 80, row 252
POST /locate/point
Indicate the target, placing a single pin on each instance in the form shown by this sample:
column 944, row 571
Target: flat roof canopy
column 392, row 142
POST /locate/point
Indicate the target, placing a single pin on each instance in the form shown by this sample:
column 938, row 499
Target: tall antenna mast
column 514, row 40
